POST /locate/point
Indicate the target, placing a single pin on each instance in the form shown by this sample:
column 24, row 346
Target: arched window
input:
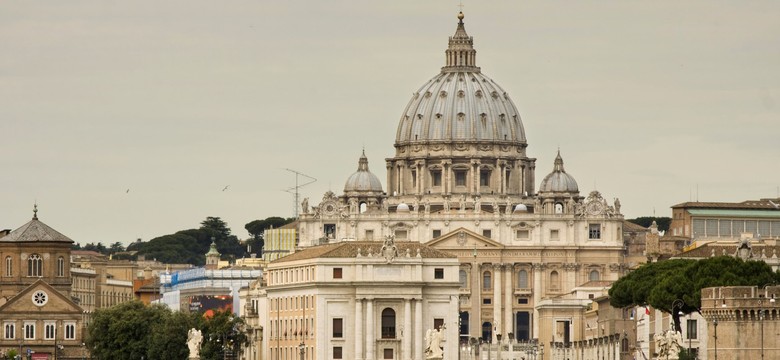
column 363, row 207
column 34, row 265
column 594, row 275
column 388, row 323
column 487, row 332
column 60, row 266
column 558, row 208
column 486, row 283
column 464, row 278
column 522, row 279
column 9, row 266
column 555, row 282
column 624, row 345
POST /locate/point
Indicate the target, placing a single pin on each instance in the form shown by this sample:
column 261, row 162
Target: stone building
column 360, row 300
column 461, row 181
column 743, row 322
column 37, row 311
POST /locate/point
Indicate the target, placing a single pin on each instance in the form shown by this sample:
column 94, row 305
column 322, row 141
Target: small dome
column 402, row 207
column 521, row 208
column 558, row 180
column 363, row 180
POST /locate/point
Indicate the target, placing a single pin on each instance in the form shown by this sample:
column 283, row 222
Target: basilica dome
column 362, row 180
column 558, row 180
column 460, row 103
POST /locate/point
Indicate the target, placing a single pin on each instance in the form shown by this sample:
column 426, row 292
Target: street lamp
column 715, row 323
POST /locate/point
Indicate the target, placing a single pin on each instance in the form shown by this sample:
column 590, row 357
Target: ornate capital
column 538, row 266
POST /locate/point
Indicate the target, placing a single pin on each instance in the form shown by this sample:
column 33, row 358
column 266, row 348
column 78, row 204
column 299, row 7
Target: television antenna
column 295, row 190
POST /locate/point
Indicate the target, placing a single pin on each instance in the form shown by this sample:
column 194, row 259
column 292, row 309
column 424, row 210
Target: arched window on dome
column 486, row 280
column 34, row 265
column 558, row 208
column 555, row 281
column 363, row 207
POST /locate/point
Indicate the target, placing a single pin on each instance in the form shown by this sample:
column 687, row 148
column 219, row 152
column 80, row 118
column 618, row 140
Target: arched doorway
column 388, row 323
column 487, row 331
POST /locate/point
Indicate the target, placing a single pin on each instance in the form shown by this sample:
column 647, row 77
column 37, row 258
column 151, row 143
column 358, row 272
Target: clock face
column 329, row 208
column 594, row 208
column 40, row 298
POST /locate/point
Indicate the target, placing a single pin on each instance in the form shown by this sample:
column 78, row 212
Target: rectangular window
column 9, row 266
column 487, row 301
column 338, row 328
column 594, row 231
column 554, row 235
column 369, row 234
column 487, row 233
column 484, row 178
column 691, row 329
column 337, row 273
column 49, row 331
column 337, row 352
column 400, row 234
column 329, row 230
column 436, row 177
column 436, row 233
column 438, row 273
column 414, row 179
column 522, row 234
column 388, row 353
column 29, row 331
column 9, row 331
column 460, row 178
column 438, row 323
column 522, row 301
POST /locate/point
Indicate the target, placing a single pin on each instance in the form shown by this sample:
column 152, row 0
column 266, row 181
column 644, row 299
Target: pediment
column 463, row 238
column 56, row 301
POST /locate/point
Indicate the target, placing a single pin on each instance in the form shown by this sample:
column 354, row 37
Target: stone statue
column 389, row 250
column 446, row 205
column 477, row 205
column 353, row 206
column 617, row 206
column 305, row 205
column 194, row 337
column 668, row 343
column 427, row 205
column 508, row 208
column 433, row 338
column 415, row 206
column 462, row 203
column 494, row 205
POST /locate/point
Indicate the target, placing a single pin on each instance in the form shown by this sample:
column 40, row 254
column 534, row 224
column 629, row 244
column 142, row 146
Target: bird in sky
column 226, row 187
column 128, row 191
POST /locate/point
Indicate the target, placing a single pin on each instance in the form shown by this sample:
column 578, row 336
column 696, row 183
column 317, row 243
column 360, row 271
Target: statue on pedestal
column 433, row 338
column 194, row 337
column 668, row 344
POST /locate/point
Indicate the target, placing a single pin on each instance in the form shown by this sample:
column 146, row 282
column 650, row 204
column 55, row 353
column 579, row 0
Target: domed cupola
column 362, row 182
column 558, row 181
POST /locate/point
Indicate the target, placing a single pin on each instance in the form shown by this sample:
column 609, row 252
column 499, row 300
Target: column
column 537, row 268
column 418, row 330
column 371, row 330
column 508, row 292
column 522, row 179
column 496, row 300
column 359, row 338
column 390, row 186
column 406, row 349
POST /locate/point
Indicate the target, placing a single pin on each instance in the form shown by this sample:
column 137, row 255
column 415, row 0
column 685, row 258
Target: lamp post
column 715, row 323
column 498, row 341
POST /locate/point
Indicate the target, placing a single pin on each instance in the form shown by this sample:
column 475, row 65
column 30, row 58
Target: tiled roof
column 33, row 231
column 629, row 226
column 349, row 249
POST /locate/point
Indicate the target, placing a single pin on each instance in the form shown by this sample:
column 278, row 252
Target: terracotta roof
column 35, row 231
column 292, row 225
column 349, row 249
column 629, row 226
column 763, row 204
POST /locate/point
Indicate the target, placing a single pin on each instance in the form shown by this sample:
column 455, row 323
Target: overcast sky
column 655, row 102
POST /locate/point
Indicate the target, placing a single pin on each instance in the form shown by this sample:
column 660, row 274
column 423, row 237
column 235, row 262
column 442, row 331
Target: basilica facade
column 461, row 182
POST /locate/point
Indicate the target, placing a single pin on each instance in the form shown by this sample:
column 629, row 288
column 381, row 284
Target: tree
column 645, row 221
column 116, row 247
column 256, row 228
column 661, row 284
column 216, row 224
column 222, row 332
column 189, row 246
column 169, row 338
column 124, row 331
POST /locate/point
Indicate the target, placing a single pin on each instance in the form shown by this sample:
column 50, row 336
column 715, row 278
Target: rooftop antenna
column 295, row 190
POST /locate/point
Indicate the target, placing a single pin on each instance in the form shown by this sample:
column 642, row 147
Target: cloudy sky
column 653, row 102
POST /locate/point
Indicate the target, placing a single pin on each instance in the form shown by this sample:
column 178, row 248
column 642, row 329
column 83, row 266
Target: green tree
column 116, row 247
column 661, row 284
column 169, row 337
column 217, row 225
column 222, row 333
column 256, row 228
column 124, row 331
column 662, row 222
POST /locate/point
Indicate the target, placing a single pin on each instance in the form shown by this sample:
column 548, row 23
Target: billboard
column 206, row 305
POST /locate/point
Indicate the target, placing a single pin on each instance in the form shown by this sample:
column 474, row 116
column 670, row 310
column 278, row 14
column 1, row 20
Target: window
column 337, row 273
column 484, row 178
column 594, row 275
column 523, row 325
column 49, row 331
column 486, row 280
column 436, row 177
column 9, row 331
column 34, row 265
column 463, row 278
column 436, row 233
column 438, row 323
column 369, row 234
column 400, row 234
column 29, row 331
column 554, row 281
column 438, row 273
column 460, row 177
column 60, row 266
column 9, row 266
column 522, row 279
column 388, row 353
column 464, row 324
column 388, row 323
column 487, row 301
column 691, row 328
column 487, row 332
column 414, row 178
column 337, row 352
column 338, row 328
column 594, row 231
column 522, row 301
column 522, row 234
column 558, row 208
column 624, row 345
column 554, row 235
column 487, row 233
column 329, row 230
